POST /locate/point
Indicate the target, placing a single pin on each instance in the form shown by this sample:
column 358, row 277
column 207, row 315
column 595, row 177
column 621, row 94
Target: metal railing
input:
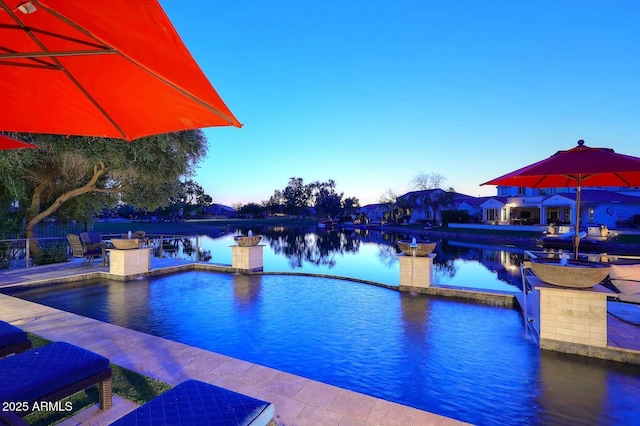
column 27, row 252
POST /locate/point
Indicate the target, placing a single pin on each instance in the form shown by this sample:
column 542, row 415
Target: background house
column 220, row 211
column 529, row 206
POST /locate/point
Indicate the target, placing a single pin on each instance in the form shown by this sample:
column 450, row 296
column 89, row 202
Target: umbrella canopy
column 578, row 167
column 7, row 142
column 109, row 68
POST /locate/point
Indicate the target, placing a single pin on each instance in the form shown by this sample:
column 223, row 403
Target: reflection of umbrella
column 578, row 167
column 100, row 68
column 7, row 142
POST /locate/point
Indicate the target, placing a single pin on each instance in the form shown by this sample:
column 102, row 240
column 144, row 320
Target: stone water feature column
column 247, row 255
column 564, row 316
column 129, row 262
column 415, row 272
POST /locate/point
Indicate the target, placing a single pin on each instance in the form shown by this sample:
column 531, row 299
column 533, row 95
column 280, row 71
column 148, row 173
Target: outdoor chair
column 198, row 403
column 85, row 251
column 12, row 340
column 626, row 280
column 53, row 372
column 141, row 236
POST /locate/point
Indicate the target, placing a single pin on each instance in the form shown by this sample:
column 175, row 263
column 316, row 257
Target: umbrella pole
column 576, row 237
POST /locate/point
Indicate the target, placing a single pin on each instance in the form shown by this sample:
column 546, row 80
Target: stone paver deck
column 298, row 401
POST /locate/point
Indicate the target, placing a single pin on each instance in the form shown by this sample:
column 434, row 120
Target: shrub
column 54, row 253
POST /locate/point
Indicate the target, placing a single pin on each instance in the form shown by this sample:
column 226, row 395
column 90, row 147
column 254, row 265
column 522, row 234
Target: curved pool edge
column 296, row 398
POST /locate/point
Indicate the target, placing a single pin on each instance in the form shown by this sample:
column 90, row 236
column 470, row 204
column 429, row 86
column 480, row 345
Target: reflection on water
column 246, row 290
column 301, row 247
column 372, row 255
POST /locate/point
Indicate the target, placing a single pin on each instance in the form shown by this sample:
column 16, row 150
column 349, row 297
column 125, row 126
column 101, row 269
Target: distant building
column 418, row 209
column 220, row 211
column 529, row 206
column 375, row 213
column 612, row 207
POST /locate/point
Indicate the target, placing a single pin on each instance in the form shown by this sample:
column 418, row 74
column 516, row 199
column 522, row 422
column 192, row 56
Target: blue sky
column 371, row 93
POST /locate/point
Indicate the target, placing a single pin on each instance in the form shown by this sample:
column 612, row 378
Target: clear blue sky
column 370, row 93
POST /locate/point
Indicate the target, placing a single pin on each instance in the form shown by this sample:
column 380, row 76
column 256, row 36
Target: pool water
column 468, row 361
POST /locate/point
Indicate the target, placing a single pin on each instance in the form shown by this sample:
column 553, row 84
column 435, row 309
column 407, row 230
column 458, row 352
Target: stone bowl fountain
column 247, row 241
column 418, row 248
column 569, row 273
column 126, row 243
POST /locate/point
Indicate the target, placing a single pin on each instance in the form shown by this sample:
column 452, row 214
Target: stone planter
column 125, row 243
column 246, row 241
column 420, row 249
column 574, row 274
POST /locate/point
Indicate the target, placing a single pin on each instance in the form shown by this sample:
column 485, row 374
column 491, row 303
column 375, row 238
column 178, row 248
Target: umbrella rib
column 179, row 89
column 626, row 182
column 538, row 182
column 49, row 53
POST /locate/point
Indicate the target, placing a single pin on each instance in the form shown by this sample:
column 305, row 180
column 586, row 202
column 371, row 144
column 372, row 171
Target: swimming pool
column 467, row 361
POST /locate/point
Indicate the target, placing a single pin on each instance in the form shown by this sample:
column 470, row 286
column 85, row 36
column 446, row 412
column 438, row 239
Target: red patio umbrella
column 7, row 142
column 578, row 167
column 112, row 68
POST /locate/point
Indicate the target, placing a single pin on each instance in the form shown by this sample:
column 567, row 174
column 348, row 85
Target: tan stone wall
column 247, row 258
column 129, row 262
column 576, row 316
column 416, row 271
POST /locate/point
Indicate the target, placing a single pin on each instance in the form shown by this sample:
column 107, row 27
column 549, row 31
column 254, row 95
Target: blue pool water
column 463, row 360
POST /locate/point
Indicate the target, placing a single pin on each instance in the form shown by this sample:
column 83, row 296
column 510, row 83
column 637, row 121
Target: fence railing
column 28, row 252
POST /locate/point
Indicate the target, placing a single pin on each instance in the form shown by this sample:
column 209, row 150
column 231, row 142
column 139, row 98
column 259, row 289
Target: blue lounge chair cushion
column 11, row 335
column 198, row 403
column 38, row 372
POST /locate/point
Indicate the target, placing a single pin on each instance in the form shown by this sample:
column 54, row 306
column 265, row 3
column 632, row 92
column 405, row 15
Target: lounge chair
column 626, row 279
column 198, row 403
column 12, row 340
column 50, row 373
column 85, row 251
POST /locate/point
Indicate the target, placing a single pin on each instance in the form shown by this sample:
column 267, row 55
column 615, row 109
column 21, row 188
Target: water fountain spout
column 563, row 259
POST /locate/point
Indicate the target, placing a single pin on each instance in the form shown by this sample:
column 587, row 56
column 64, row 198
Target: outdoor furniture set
column 88, row 246
column 55, row 371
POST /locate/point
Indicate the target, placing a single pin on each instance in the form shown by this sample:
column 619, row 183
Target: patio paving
column 298, row 401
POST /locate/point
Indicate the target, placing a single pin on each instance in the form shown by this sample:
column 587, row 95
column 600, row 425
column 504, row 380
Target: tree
column 190, row 197
column 252, row 209
column 275, row 204
column 80, row 175
column 349, row 205
column 434, row 197
column 389, row 199
column 424, row 181
column 296, row 197
column 325, row 199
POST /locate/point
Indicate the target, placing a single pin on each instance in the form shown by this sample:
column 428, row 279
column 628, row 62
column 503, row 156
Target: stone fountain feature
column 248, row 240
column 416, row 264
column 247, row 254
column 128, row 257
column 569, row 273
column 567, row 307
column 419, row 248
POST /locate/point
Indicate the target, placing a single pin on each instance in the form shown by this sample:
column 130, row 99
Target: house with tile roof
column 557, row 206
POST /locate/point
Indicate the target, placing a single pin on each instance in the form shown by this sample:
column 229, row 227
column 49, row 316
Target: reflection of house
column 528, row 206
column 220, row 211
